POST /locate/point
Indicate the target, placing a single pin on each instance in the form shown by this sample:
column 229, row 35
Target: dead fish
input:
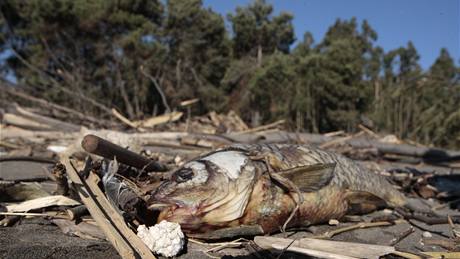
column 267, row 186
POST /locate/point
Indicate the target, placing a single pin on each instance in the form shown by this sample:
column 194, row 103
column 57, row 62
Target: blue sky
column 429, row 24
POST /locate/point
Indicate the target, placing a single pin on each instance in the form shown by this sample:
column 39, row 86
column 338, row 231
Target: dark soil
column 38, row 238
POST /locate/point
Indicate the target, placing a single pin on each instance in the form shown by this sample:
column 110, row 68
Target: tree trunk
column 259, row 55
column 124, row 95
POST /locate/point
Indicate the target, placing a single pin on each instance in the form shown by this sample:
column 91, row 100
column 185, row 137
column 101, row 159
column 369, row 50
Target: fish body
column 248, row 184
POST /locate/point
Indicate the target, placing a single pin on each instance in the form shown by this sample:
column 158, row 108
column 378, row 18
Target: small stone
column 177, row 160
column 387, row 211
column 427, row 234
column 333, row 222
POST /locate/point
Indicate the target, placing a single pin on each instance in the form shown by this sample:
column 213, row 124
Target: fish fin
column 309, row 178
column 242, row 230
column 362, row 202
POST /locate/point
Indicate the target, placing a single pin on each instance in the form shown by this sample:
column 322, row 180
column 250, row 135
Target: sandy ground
column 38, row 238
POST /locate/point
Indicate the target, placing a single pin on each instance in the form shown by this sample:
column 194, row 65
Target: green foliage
column 255, row 30
column 271, row 88
column 94, row 55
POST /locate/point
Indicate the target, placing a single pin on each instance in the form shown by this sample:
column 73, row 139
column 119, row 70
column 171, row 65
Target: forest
column 144, row 57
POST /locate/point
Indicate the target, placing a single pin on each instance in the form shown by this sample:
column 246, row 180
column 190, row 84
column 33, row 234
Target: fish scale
column 348, row 174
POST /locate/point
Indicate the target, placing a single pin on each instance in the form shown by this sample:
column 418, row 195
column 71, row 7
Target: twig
column 340, row 140
column 218, row 246
column 263, row 127
column 284, row 250
column 235, row 243
column 441, row 206
column 329, row 234
column 455, row 231
column 334, row 133
column 126, row 120
column 30, row 214
column 314, row 253
column 412, row 222
column 368, row 131
column 430, row 220
column 8, row 145
column 403, row 235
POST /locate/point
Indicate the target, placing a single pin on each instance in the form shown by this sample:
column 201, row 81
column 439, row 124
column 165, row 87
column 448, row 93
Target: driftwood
column 263, row 127
column 27, row 158
column 126, row 120
column 14, row 91
column 241, row 230
column 426, row 153
column 53, row 123
column 77, row 212
column 151, row 122
column 17, row 132
column 9, row 221
column 98, row 146
column 87, row 197
column 57, row 200
column 118, row 220
column 21, row 191
column 324, row 248
column 25, row 123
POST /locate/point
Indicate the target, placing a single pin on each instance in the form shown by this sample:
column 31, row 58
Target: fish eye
column 183, row 175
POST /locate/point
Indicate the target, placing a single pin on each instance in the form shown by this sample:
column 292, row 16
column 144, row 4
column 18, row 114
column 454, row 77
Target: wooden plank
column 51, row 122
column 117, row 219
column 112, row 234
column 345, row 249
column 150, row 122
column 126, row 120
column 43, row 202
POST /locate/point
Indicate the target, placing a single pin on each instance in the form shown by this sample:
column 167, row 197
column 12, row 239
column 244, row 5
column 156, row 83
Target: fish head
column 209, row 190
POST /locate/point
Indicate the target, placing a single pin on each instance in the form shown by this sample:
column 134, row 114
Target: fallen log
column 52, row 123
column 30, row 135
column 25, row 123
column 13, row 90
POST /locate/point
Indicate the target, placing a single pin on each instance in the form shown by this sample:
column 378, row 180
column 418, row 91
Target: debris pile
column 45, row 173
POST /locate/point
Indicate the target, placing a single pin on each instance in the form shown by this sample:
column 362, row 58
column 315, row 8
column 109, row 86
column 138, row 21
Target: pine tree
column 257, row 32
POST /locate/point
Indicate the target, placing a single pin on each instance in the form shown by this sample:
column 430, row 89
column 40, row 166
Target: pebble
column 333, row 222
column 427, row 234
column 387, row 211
